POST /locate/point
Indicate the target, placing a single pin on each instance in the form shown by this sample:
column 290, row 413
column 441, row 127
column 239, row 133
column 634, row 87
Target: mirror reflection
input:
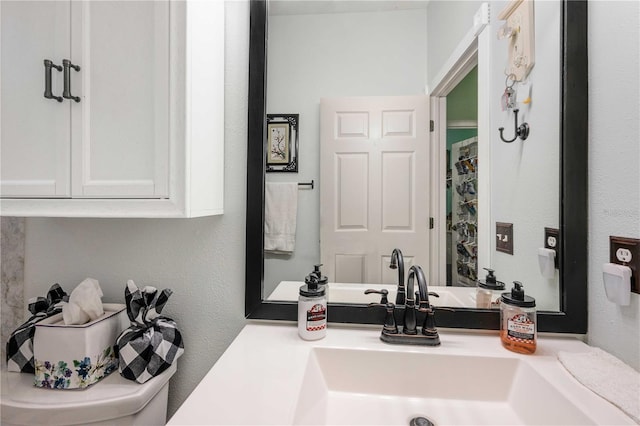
column 355, row 74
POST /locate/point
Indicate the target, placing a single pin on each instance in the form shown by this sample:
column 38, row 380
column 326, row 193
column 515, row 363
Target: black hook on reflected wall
column 522, row 131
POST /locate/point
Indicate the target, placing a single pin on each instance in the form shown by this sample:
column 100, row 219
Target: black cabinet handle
column 47, row 79
column 66, row 93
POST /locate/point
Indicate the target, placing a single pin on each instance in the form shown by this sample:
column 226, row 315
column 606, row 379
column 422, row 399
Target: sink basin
column 350, row 386
column 269, row 376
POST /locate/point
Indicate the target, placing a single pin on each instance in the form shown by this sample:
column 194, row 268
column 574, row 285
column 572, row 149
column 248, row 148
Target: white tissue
column 85, row 303
column 546, row 262
column 617, row 283
column 73, row 314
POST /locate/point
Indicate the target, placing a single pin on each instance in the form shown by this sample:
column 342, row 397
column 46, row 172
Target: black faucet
column 409, row 335
column 397, row 262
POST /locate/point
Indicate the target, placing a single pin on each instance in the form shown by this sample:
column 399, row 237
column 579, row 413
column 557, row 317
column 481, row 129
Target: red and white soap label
column 520, row 327
column 317, row 317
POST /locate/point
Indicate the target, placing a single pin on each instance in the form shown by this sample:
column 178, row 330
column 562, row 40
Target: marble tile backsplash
column 12, row 309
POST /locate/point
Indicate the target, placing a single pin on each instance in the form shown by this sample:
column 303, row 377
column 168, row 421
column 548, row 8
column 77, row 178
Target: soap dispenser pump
column 322, row 279
column 485, row 288
column 518, row 320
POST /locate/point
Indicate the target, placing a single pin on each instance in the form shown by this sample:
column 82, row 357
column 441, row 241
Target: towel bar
column 311, row 184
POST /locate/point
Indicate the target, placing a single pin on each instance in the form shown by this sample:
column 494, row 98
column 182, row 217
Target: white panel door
column 120, row 127
column 374, row 185
column 35, row 131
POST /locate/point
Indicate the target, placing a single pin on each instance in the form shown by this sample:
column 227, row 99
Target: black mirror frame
column 572, row 317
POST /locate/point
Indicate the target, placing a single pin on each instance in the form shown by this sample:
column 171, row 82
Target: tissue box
column 77, row 356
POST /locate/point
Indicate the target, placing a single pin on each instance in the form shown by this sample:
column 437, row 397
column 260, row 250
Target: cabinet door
column 120, row 127
column 35, row 131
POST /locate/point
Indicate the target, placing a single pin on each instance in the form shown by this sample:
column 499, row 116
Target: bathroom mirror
column 571, row 317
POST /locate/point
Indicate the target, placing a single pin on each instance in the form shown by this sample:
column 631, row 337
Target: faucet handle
column 431, row 309
column 390, row 326
column 384, row 292
column 429, row 329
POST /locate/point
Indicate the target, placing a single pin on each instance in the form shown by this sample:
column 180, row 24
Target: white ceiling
column 315, row 7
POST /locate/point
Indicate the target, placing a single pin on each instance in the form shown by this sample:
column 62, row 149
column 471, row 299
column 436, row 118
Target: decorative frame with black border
column 572, row 316
column 282, row 143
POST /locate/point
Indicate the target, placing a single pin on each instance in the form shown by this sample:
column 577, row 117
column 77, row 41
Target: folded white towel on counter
column 607, row 376
column 85, row 303
column 280, row 215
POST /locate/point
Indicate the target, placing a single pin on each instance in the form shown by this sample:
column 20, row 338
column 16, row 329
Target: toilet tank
column 112, row 401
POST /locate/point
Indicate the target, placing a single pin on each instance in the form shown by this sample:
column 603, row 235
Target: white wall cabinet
column 140, row 129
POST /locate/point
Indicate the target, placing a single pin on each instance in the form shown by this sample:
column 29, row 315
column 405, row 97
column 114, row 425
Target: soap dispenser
column 312, row 309
column 485, row 288
column 518, row 320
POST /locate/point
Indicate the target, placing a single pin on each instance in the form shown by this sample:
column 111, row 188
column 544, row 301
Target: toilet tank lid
column 112, row 397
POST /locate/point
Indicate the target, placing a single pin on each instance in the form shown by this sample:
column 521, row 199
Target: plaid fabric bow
column 20, row 343
column 144, row 306
column 153, row 342
column 48, row 304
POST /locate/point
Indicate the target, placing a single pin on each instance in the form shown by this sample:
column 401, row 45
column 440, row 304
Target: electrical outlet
column 552, row 241
column 624, row 255
column 626, row 251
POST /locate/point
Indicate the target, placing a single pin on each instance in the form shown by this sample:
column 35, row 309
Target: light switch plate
column 504, row 237
column 626, row 251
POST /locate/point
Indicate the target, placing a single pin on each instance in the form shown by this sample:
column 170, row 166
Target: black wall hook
column 522, row 131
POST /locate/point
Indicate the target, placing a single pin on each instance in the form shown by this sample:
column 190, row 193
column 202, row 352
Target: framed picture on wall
column 282, row 143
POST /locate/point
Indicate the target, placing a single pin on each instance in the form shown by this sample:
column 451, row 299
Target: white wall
column 202, row 260
column 347, row 54
column 525, row 175
column 447, row 22
column 614, row 165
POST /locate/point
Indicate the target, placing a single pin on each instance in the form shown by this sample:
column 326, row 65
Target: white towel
column 280, row 214
column 607, row 376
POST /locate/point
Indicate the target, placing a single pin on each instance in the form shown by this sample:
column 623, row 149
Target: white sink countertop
column 268, row 375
